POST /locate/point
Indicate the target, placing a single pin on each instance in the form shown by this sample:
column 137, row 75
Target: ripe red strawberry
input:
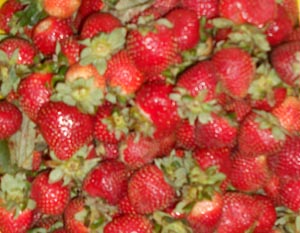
column 10, row 119
column 71, row 49
column 61, row 8
column 249, row 174
column 285, row 61
column 108, row 180
column 125, row 207
column 234, row 81
column 7, row 10
column 26, row 51
column 153, row 100
column 48, row 31
column 185, row 27
column 129, row 223
column 50, row 198
column 272, row 188
column 99, row 22
column 288, row 114
column 34, row 91
column 185, row 135
column 203, row 8
column 239, row 108
column 121, row 72
column 260, row 133
column 205, row 215
column 294, row 35
column 289, row 193
column 279, row 28
column 64, row 128
column 292, row 9
column 232, row 10
column 155, row 194
column 152, row 49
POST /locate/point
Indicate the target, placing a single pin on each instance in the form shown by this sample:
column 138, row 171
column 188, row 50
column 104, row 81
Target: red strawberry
column 272, row 187
column 232, row 10
column 99, row 22
column 292, row 9
column 152, row 50
column 285, row 60
column 203, row 8
column 235, row 69
column 61, row 8
column 34, row 91
column 10, row 119
column 294, row 35
column 185, row 135
column 50, row 198
column 205, row 215
column 155, row 194
column 129, row 223
column 289, row 193
column 48, row 31
column 121, row 72
column 26, row 51
column 125, row 207
column 185, row 27
column 108, row 180
column 7, row 10
column 64, row 128
column 71, row 49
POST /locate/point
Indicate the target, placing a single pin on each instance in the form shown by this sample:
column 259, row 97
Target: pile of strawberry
column 149, row 116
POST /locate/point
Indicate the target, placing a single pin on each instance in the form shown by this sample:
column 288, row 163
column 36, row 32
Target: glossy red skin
column 185, row 135
column 26, row 54
column 125, row 207
column 47, row 32
column 34, row 91
column 153, row 52
column 234, row 81
column 99, row 22
column 289, row 193
column 122, row 72
column 185, row 27
column 71, row 49
column 108, row 180
column 232, row 10
column 203, row 8
column 6, row 12
column 10, row 119
column 253, row 141
column 282, row 59
column 153, row 100
column 64, row 128
column 71, row 224
column 155, row 194
column 50, row 198
column 129, row 223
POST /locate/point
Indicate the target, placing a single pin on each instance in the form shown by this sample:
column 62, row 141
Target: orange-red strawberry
column 128, row 223
column 185, row 27
column 64, row 128
column 34, row 91
column 50, row 198
column 7, row 11
column 155, row 194
column 203, row 8
column 61, row 8
column 108, row 180
column 10, row 119
column 235, row 69
column 48, row 31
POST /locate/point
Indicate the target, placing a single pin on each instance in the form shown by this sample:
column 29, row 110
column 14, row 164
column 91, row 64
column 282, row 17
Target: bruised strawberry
column 64, row 128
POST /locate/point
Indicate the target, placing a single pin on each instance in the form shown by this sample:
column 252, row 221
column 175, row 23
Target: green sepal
column 5, row 161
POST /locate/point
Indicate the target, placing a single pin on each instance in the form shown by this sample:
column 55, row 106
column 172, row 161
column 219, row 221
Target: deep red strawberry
column 232, row 10
column 10, row 119
column 7, row 11
column 289, row 193
column 203, row 8
column 48, row 31
column 64, row 128
column 50, row 198
column 61, row 8
column 294, row 35
column 185, row 135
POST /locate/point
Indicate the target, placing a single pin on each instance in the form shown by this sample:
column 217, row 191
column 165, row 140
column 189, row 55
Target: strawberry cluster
column 149, row 116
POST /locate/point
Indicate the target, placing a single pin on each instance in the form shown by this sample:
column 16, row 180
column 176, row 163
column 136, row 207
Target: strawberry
column 129, row 223
column 153, row 48
column 71, row 49
column 285, row 60
column 122, row 73
column 7, row 10
column 289, row 193
column 48, row 31
column 185, row 27
column 10, row 119
column 34, row 91
column 98, row 22
column 125, row 207
column 64, row 128
column 294, row 35
column 108, row 180
column 234, row 81
column 292, row 9
column 144, row 196
column 185, row 135
column 50, row 198
column 61, row 8
column 203, row 8
column 26, row 51
column 232, row 10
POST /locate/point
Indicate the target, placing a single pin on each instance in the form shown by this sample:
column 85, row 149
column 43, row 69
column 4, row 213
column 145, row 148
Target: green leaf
column 56, row 175
column 5, row 162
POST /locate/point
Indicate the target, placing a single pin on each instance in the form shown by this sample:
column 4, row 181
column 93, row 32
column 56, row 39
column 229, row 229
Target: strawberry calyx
column 287, row 220
column 101, row 47
column 74, row 169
